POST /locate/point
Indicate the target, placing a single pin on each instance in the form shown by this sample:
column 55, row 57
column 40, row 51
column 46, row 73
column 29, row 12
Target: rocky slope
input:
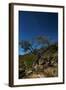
column 30, row 66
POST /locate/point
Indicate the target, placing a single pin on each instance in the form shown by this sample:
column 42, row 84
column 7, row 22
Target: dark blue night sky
column 32, row 24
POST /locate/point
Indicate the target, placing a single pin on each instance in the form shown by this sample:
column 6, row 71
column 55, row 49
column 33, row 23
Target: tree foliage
column 39, row 41
column 26, row 45
column 42, row 40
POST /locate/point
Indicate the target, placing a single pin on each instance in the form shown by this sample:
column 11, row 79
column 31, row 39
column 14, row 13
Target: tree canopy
column 39, row 41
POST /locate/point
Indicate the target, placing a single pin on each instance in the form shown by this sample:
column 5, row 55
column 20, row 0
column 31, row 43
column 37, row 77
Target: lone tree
column 39, row 41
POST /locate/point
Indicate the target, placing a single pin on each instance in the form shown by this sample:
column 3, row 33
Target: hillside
column 30, row 66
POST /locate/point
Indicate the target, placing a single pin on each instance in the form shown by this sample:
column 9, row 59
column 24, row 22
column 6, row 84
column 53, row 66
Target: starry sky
column 32, row 24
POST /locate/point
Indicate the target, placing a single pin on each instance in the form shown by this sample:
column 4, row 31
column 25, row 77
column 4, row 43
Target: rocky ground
column 31, row 66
